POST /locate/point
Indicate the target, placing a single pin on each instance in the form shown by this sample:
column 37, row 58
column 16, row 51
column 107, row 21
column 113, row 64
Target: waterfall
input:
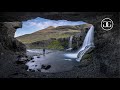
column 87, row 44
column 70, row 43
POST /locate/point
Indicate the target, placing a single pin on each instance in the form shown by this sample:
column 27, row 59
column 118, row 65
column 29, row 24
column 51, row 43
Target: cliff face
column 106, row 55
column 107, row 50
column 47, row 37
column 7, row 40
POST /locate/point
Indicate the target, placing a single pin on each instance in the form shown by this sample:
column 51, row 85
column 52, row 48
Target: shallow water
column 59, row 60
column 55, row 58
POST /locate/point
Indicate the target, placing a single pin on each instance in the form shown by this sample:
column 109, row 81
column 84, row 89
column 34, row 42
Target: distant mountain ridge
column 52, row 32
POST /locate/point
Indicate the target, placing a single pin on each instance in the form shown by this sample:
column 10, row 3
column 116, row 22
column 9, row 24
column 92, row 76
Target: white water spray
column 70, row 43
column 87, row 44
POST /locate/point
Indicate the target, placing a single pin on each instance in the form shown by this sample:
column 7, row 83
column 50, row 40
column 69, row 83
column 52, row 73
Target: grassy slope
column 51, row 32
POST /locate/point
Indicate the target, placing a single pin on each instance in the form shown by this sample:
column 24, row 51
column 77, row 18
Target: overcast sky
column 38, row 23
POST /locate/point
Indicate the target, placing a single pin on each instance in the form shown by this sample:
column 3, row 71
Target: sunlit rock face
column 105, row 56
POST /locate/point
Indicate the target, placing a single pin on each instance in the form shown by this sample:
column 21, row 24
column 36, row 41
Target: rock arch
column 107, row 43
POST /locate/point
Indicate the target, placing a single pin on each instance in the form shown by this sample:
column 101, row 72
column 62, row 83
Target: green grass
column 35, row 38
column 55, row 45
column 47, row 34
column 26, row 39
column 86, row 56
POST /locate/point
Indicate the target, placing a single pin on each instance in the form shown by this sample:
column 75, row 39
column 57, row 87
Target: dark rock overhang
column 72, row 16
column 106, row 53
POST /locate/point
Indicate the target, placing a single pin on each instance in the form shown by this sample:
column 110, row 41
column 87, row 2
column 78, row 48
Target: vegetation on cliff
column 52, row 37
column 55, row 45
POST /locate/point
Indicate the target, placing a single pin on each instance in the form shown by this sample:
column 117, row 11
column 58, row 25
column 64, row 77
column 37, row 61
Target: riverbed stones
column 46, row 67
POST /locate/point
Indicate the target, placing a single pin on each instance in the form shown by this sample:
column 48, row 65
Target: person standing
column 44, row 51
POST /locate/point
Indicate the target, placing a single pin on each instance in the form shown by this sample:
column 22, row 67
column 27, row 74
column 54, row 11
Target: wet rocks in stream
column 38, row 56
column 46, row 67
column 22, row 59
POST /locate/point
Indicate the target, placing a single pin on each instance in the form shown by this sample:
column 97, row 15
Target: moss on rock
column 55, row 44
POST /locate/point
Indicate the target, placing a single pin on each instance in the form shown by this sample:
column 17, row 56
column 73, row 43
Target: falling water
column 87, row 44
column 70, row 43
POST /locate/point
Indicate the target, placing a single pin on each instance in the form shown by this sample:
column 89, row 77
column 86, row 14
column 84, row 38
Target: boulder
column 46, row 67
column 21, row 59
column 7, row 40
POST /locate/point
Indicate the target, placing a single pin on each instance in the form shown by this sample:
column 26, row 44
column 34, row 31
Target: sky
column 38, row 23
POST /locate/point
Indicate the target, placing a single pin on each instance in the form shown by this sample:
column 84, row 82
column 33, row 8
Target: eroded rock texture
column 106, row 55
column 7, row 40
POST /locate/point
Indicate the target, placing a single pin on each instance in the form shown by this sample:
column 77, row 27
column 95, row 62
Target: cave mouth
column 39, row 23
column 33, row 34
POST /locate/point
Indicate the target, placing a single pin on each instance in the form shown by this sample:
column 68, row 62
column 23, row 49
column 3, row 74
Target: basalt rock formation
column 7, row 40
column 106, row 54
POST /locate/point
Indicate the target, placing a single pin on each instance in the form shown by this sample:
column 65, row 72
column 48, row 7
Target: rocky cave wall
column 106, row 52
column 7, row 40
